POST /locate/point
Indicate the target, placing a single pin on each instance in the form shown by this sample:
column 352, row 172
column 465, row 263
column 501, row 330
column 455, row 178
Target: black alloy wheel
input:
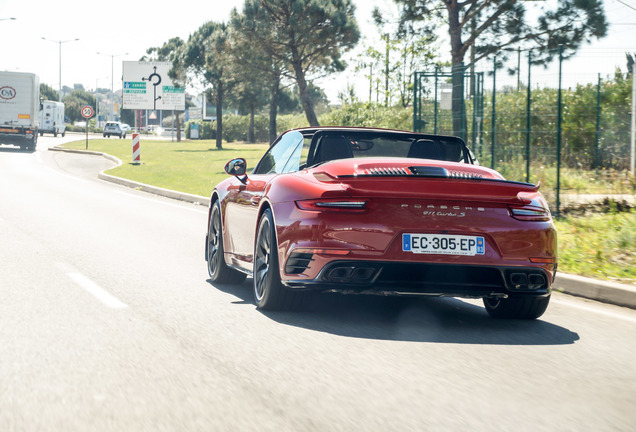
column 217, row 268
column 269, row 292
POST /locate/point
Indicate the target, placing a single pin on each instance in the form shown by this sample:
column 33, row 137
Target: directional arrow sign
column 147, row 85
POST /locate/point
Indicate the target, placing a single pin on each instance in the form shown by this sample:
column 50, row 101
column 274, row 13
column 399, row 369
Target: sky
column 122, row 30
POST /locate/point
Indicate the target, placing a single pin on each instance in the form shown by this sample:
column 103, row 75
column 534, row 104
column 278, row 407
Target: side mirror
column 236, row 167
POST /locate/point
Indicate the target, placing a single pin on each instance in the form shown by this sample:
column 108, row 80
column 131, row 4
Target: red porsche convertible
column 375, row 211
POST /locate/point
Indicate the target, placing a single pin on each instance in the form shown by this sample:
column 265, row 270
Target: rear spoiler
column 433, row 187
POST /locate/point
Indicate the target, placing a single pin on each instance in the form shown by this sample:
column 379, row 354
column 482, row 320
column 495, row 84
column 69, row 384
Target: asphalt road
column 108, row 323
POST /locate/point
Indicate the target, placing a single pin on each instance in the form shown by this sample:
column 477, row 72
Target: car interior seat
column 425, row 149
column 332, row 147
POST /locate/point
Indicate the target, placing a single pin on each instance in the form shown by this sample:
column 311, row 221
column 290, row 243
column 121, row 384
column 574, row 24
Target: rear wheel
column 269, row 292
column 217, row 268
column 517, row 307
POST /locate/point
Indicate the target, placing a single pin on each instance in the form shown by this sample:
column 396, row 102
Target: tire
column 517, row 307
column 33, row 143
column 217, row 268
column 269, row 292
column 104, row 135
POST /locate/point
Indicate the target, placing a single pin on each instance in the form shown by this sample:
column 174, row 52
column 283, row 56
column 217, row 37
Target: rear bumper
column 17, row 135
column 452, row 280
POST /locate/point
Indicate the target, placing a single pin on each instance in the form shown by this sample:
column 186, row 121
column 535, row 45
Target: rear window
column 330, row 145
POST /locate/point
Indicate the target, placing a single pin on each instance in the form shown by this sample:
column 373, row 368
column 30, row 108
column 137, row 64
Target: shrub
column 206, row 129
column 369, row 115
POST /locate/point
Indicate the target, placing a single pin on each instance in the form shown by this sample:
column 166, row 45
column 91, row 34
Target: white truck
column 20, row 107
column 52, row 118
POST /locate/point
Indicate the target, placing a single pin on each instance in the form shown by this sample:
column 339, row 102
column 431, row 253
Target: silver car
column 114, row 128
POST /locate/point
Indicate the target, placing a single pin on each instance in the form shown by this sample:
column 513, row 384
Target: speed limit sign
column 87, row 111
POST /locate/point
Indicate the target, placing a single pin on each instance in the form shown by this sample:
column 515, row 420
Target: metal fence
column 570, row 128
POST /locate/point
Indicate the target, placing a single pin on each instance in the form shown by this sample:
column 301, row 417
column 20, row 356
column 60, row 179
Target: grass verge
column 601, row 246
column 193, row 167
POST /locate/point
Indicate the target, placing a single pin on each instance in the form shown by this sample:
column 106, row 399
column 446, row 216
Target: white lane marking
column 203, row 209
column 593, row 309
column 98, row 292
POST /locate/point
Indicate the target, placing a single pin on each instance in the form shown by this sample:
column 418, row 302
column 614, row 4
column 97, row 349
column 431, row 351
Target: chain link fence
column 570, row 128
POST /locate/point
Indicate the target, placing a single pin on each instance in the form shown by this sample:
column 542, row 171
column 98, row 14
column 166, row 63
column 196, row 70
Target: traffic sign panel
column 87, row 111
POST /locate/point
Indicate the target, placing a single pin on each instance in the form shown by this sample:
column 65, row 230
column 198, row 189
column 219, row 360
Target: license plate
column 443, row 244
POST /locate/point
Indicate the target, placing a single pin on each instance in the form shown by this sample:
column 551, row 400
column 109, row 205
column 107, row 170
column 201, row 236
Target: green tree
column 408, row 49
column 47, row 92
column 489, row 27
column 307, row 36
column 171, row 51
column 207, row 53
column 257, row 73
column 74, row 102
column 289, row 100
column 127, row 116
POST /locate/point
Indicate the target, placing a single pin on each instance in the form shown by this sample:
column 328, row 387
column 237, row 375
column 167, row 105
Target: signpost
column 147, row 86
column 87, row 112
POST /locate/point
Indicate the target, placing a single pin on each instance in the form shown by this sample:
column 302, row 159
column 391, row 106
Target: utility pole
column 633, row 146
column 60, row 42
column 386, row 73
column 370, row 82
column 112, row 72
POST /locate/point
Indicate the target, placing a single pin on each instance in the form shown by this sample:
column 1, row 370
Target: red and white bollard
column 136, row 149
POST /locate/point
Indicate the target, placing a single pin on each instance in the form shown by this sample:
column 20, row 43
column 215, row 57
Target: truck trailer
column 52, row 118
column 20, row 107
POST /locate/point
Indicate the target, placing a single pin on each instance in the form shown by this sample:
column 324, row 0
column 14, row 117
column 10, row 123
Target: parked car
column 114, row 128
column 373, row 211
column 125, row 127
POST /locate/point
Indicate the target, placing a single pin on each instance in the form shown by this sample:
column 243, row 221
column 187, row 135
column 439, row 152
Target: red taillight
column 534, row 208
column 348, row 205
column 530, row 214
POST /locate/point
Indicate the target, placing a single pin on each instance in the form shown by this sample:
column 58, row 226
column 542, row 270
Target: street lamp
column 60, row 42
column 112, row 92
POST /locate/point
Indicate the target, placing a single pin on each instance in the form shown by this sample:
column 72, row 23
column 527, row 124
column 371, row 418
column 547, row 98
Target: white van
column 52, row 118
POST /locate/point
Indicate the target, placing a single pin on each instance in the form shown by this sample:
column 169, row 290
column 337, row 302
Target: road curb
column 595, row 289
column 579, row 286
column 168, row 193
